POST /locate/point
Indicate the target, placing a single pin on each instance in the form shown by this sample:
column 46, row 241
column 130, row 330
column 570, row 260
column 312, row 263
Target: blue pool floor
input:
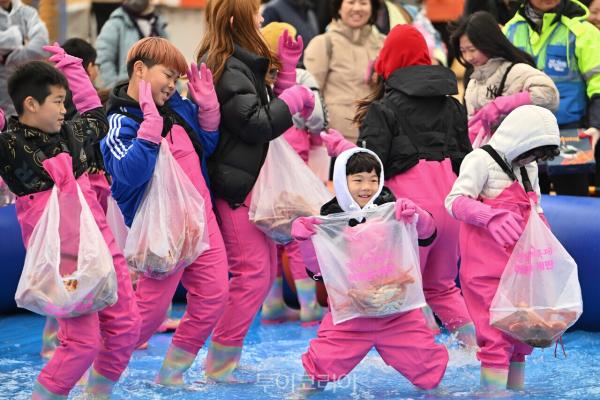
column 271, row 366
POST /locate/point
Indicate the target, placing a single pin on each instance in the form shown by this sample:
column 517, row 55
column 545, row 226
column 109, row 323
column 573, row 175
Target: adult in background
column 567, row 48
column 341, row 60
column 22, row 36
column 134, row 20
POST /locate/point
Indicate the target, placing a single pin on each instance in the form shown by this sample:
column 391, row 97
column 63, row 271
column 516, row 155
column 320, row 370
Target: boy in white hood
column 403, row 340
column 492, row 197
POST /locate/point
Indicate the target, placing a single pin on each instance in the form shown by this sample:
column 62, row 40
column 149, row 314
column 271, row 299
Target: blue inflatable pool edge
column 574, row 220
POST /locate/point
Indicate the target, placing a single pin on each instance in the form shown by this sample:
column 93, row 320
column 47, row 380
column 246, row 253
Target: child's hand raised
column 85, row 96
column 289, row 51
column 60, row 57
column 202, row 91
column 152, row 125
column 201, row 87
column 335, row 142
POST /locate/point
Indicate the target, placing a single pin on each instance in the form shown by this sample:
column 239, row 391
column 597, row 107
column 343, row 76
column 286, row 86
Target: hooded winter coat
column 117, row 36
column 22, row 36
column 481, row 176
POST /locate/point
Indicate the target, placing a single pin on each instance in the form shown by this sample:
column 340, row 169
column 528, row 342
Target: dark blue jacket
column 130, row 161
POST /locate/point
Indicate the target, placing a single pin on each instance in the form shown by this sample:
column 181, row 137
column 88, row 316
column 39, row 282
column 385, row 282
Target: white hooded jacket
column 340, row 182
column 526, row 128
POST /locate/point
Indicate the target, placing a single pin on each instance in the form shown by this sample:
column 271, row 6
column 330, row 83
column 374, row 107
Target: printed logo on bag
column 370, row 267
column 534, row 259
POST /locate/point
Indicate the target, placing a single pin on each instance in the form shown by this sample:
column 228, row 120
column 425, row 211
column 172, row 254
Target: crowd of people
column 363, row 86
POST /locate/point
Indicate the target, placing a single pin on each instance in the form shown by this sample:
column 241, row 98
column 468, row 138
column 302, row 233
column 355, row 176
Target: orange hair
column 153, row 51
column 221, row 35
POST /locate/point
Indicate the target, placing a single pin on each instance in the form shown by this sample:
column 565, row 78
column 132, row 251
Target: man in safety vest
column 567, row 48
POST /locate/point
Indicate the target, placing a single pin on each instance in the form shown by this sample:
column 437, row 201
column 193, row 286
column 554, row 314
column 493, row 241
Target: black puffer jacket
column 417, row 119
column 249, row 120
column 23, row 149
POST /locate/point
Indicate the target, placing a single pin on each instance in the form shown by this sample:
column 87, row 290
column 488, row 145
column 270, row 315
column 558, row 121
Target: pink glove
column 405, row 211
column 315, row 140
column 475, row 127
column 2, row 120
column 504, row 226
column 335, row 142
column 152, row 125
column 202, row 91
column 85, row 96
column 489, row 115
column 289, row 53
column 593, row 134
column 299, row 99
column 304, row 227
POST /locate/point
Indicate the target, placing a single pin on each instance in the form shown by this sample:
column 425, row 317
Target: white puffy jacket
column 526, row 128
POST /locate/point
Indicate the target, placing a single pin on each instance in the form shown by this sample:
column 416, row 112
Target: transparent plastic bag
column 319, row 162
column 371, row 269
column 168, row 231
column 116, row 222
column 481, row 139
column 285, row 190
column 43, row 287
column 539, row 296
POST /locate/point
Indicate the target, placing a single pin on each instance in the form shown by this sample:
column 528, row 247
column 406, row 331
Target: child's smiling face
column 163, row 81
column 363, row 186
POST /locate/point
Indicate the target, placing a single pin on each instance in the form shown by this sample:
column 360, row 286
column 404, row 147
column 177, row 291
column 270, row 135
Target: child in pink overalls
column 142, row 112
column 419, row 131
column 303, row 134
column 252, row 116
column 492, row 199
column 403, row 340
column 38, row 149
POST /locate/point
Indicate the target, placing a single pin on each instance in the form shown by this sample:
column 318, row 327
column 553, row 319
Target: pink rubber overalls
column 482, row 263
column 427, row 184
column 205, row 279
column 106, row 338
column 403, row 341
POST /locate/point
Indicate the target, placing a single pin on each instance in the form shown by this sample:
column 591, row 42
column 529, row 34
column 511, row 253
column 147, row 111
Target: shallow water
column 271, row 367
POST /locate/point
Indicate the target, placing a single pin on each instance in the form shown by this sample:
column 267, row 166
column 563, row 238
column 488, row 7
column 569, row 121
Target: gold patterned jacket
column 23, row 148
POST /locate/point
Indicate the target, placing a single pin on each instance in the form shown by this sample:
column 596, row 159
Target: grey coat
column 117, row 36
column 22, row 35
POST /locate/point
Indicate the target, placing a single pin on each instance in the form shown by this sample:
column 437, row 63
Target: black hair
column 547, row 152
column 483, row 31
column 363, row 162
column 337, row 4
column 77, row 47
column 34, row 79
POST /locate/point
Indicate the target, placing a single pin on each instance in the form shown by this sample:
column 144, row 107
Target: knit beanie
column 403, row 47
